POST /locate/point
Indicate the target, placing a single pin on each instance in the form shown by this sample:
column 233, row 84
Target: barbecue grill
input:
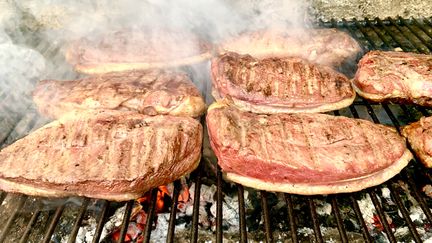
column 272, row 216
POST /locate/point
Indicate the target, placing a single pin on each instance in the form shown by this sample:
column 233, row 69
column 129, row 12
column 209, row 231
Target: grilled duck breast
column 149, row 92
column 304, row 153
column 328, row 47
column 395, row 76
column 113, row 155
column 278, row 85
column 138, row 49
column 419, row 135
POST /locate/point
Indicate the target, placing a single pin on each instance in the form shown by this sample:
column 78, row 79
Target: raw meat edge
column 268, row 109
column 345, row 186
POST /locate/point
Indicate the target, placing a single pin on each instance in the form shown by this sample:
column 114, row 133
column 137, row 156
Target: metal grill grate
column 409, row 35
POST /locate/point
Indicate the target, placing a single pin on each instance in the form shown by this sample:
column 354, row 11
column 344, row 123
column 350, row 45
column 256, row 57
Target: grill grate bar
column 416, row 33
column 418, row 197
column 79, row 220
column 364, row 228
column 293, row 226
column 196, row 205
column 372, row 194
column 391, row 34
column 316, row 227
column 426, row 21
column 412, row 184
column 242, row 214
column 5, row 230
column 101, row 221
column 266, row 216
column 382, row 217
column 125, row 222
column 404, row 212
column 2, row 197
column 29, row 226
column 408, row 37
column 151, row 214
column 339, row 219
column 172, row 218
column 369, row 38
column 420, row 26
column 219, row 205
column 394, row 192
column 53, row 224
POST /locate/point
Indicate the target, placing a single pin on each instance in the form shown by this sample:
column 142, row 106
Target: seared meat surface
column 113, row 155
column 395, row 76
column 419, row 135
column 276, row 85
column 304, row 153
column 137, row 49
column 329, row 47
column 149, row 92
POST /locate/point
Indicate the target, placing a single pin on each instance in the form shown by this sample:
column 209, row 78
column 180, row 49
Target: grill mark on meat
column 293, row 79
column 133, row 163
column 148, row 149
column 308, row 151
column 309, row 160
column 54, row 153
column 263, row 142
column 289, row 83
column 304, row 82
column 368, row 143
column 309, row 80
column 123, row 91
column 243, row 133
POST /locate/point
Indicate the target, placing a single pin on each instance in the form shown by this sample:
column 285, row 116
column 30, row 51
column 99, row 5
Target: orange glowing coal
column 139, row 214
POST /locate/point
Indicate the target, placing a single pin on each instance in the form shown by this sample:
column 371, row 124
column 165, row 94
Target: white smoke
column 212, row 18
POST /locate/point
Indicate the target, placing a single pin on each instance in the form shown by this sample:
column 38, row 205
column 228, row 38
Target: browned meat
column 304, row 153
column 419, row 135
column 275, row 85
column 149, row 92
column 136, row 50
column 108, row 154
column 395, row 76
column 323, row 46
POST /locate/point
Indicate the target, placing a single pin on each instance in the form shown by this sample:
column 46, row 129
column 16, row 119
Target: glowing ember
column 139, row 213
column 378, row 224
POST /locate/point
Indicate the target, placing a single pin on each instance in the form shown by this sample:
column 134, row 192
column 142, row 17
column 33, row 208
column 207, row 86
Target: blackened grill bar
column 409, row 35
